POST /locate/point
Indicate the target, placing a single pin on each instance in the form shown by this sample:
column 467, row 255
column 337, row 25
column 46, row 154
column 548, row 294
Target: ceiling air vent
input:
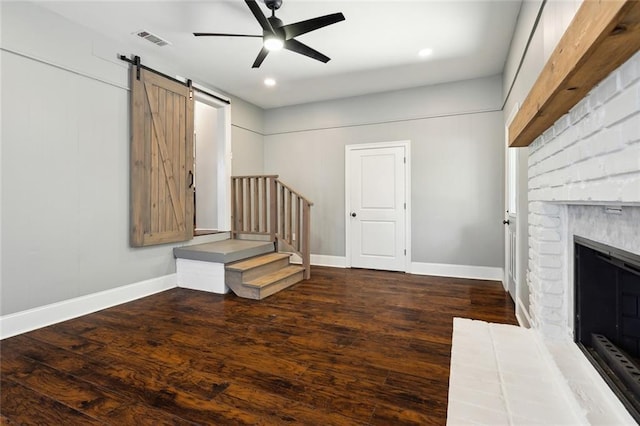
column 152, row 38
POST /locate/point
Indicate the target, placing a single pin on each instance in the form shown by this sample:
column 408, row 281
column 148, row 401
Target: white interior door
column 376, row 205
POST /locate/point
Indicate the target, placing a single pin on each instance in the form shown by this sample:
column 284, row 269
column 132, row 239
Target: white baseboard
column 457, row 271
column 522, row 315
column 42, row 316
column 419, row 268
column 326, row 260
column 322, row 260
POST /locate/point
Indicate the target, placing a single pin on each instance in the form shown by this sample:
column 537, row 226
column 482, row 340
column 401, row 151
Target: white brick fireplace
column 581, row 171
column 584, row 180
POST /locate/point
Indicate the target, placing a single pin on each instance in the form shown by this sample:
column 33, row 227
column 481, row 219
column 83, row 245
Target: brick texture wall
column 590, row 156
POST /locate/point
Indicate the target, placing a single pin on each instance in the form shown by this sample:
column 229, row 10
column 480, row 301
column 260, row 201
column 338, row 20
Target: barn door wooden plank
column 174, row 131
column 187, row 166
column 163, row 197
column 155, row 178
column 165, row 159
column 140, row 179
column 161, row 160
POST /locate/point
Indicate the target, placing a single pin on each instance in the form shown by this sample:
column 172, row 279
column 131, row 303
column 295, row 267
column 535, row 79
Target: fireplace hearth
column 607, row 316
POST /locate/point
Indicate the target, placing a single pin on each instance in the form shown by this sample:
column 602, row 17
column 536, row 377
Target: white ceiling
column 374, row 50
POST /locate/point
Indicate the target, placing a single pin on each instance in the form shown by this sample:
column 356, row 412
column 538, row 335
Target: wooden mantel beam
column 602, row 36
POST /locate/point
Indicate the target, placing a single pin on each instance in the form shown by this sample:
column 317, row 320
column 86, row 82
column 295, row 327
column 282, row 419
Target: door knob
column 353, row 214
column 505, row 222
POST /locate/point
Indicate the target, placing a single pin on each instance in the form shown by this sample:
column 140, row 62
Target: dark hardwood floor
column 347, row 347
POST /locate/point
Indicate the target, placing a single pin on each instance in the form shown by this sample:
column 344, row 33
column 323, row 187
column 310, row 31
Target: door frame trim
column 507, row 215
column 406, row 144
column 223, row 136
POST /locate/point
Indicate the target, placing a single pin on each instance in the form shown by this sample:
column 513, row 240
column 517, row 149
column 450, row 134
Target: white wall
column 65, row 161
column 457, row 164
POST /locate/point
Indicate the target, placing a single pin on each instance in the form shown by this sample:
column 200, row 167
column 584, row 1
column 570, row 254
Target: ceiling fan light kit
column 273, row 43
column 276, row 35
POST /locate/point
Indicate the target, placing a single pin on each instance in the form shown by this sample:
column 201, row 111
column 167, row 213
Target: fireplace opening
column 607, row 316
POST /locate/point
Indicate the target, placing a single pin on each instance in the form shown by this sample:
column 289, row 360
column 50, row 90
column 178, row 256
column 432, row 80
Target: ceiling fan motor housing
column 273, row 4
column 276, row 24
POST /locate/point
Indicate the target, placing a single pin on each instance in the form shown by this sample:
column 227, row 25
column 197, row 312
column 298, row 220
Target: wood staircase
column 267, row 217
column 262, row 276
column 262, row 206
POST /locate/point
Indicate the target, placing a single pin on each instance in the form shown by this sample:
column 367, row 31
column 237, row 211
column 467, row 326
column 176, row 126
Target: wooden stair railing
column 263, row 205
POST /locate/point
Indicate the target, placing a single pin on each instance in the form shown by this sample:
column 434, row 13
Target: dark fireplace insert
column 607, row 316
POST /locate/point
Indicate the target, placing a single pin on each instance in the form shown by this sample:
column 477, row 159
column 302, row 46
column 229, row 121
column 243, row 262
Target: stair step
column 274, row 277
column 256, row 262
column 226, row 251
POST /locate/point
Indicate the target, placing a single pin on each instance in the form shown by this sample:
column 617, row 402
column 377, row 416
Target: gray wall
column 457, row 164
column 65, row 161
column 247, row 135
column 247, row 152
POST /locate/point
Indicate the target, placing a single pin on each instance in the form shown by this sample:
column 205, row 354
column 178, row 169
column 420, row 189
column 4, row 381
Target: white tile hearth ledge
column 509, row 375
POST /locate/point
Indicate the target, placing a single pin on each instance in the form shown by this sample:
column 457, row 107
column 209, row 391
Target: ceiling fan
column 276, row 35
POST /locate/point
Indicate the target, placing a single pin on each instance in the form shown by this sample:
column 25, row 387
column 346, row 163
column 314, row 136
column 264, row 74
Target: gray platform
column 224, row 251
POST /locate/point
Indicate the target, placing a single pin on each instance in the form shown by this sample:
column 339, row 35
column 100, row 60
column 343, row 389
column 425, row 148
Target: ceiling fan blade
column 263, row 54
column 257, row 12
column 303, row 49
column 224, row 35
column 303, row 27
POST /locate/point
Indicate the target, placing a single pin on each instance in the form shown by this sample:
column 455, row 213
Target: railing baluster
column 290, row 218
column 247, row 205
column 248, row 199
column 247, row 209
column 281, row 228
column 233, row 206
column 264, row 205
column 249, row 226
column 298, row 227
column 241, row 205
column 273, row 208
column 256, row 204
column 306, row 249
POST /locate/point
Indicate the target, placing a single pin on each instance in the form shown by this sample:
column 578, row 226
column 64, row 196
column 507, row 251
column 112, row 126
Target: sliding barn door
column 161, row 160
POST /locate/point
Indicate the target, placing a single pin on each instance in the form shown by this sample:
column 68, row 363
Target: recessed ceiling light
column 425, row 52
column 270, row 82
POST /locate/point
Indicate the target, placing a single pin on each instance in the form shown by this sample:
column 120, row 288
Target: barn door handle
column 505, row 222
column 190, row 179
column 353, row 214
